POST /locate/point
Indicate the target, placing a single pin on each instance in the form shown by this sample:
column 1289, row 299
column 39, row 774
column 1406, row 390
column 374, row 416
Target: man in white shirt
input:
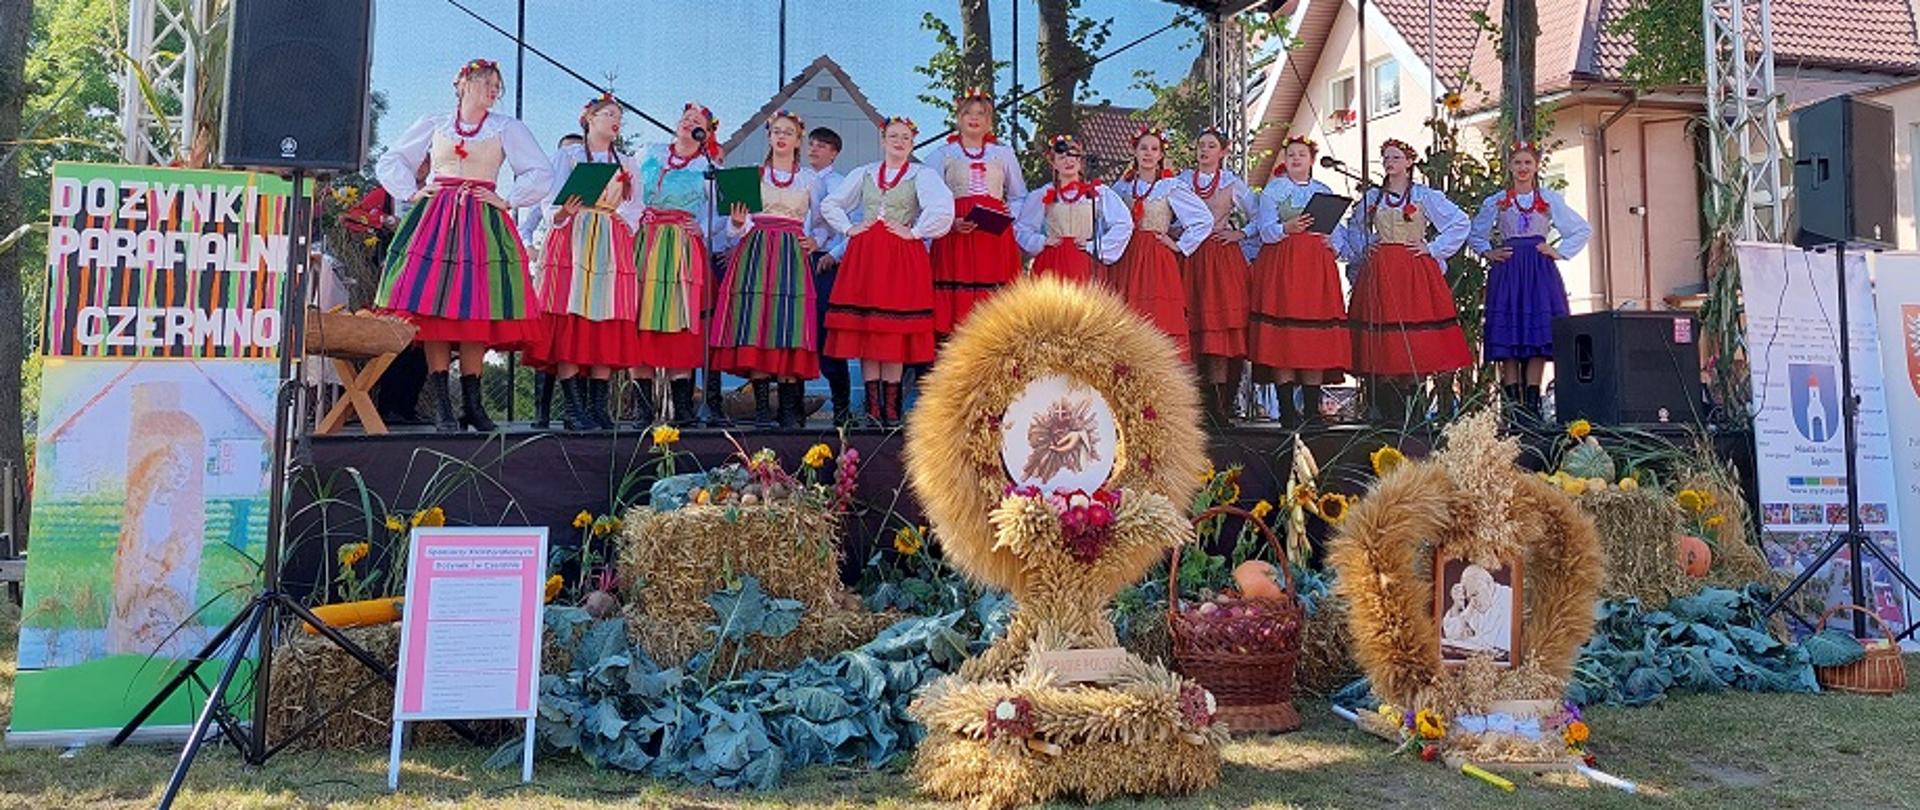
column 823, row 147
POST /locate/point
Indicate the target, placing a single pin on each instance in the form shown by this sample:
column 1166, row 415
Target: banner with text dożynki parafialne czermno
column 160, row 343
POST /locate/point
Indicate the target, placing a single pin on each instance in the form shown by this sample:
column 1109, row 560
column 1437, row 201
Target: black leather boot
column 1289, row 410
column 715, row 402
column 438, row 384
column 573, row 404
column 1530, row 400
column 683, row 415
column 542, row 400
column 841, row 390
column 793, row 405
column 763, row 404
column 473, row 410
column 597, row 391
column 647, row 414
column 1311, row 400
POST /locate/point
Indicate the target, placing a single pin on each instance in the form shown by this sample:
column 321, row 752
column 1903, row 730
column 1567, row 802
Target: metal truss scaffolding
column 1744, row 108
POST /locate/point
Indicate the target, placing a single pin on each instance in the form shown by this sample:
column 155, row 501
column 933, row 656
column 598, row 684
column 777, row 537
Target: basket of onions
column 1243, row 647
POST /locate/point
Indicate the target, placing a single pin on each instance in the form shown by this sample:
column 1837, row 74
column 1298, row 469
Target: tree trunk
column 1521, row 26
column 16, row 19
column 976, row 44
column 1060, row 60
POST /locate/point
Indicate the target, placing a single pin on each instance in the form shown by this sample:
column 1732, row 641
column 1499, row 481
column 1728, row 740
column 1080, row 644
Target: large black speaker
column 1843, row 178
column 297, row 82
column 1622, row 368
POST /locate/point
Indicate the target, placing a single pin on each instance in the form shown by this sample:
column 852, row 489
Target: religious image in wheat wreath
column 1059, row 436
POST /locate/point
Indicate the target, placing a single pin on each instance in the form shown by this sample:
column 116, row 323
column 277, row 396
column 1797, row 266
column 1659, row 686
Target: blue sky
column 721, row 52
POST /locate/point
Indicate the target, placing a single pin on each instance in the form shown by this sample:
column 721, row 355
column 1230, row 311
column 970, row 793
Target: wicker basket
column 1879, row 672
column 344, row 334
column 1254, row 688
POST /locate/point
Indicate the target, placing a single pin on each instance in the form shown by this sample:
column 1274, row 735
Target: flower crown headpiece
column 1527, row 146
column 712, row 147
column 476, row 66
column 1311, row 144
column 587, row 108
column 1216, row 132
column 789, row 115
column 973, row 94
column 1072, row 146
column 900, row 119
column 1404, row 147
column 1144, row 131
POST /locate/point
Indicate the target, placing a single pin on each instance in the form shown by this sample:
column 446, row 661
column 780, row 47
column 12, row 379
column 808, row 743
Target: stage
column 348, row 484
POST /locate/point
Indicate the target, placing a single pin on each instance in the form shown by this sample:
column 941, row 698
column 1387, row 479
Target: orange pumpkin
column 1257, row 580
column 1693, row 554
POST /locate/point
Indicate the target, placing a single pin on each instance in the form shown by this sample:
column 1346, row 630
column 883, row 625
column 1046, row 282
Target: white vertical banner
column 1896, row 296
column 1793, row 350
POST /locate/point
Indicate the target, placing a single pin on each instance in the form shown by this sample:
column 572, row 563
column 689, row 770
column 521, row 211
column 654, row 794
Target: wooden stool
column 357, row 400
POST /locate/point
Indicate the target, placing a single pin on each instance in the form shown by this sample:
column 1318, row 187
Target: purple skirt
column 1524, row 296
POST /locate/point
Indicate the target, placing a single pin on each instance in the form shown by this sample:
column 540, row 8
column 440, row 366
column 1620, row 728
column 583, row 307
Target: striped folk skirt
column 456, row 269
column 763, row 320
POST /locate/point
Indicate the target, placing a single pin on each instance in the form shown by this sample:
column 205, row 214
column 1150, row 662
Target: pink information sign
column 470, row 628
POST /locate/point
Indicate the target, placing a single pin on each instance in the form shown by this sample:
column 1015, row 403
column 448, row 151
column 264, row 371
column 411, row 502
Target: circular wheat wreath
column 1036, row 328
column 1384, row 551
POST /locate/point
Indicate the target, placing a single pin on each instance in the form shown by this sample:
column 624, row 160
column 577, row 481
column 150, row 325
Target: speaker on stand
column 1843, row 183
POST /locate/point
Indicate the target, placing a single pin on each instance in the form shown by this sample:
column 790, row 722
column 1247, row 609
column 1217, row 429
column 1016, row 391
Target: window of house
column 823, row 94
column 1340, row 102
column 1383, row 85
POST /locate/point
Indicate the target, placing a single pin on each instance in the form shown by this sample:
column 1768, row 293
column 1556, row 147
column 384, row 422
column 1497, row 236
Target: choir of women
column 879, row 265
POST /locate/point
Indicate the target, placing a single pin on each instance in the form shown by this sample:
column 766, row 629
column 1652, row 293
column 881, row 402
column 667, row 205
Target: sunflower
column 394, row 523
column 665, row 435
column 554, row 584
column 582, row 520
column 1303, row 496
column 1385, row 459
column 908, row 540
column 1207, row 477
column 1692, row 500
column 430, row 517
column 1333, row 507
column 817, row 456
column 1262, row 509
column 1715, row 521
column 1429, row 725
column 1453, row 102
column 353, row 553
column 1579, row 429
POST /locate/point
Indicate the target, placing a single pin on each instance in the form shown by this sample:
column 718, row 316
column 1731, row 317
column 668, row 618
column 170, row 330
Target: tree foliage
column 1668, row 43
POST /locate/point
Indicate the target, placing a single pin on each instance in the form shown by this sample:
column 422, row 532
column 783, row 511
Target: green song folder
column 586, row 181
column 738, row 185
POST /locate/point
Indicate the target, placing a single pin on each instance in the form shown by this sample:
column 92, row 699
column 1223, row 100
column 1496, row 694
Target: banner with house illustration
column 1793, row 350
column 149, row 493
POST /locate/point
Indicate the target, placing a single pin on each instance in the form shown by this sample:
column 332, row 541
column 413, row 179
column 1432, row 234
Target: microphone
column 1340, row 166
column 1331, row 162
column 699, row 134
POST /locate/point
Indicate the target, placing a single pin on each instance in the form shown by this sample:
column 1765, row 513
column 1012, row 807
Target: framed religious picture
column 1478, row 609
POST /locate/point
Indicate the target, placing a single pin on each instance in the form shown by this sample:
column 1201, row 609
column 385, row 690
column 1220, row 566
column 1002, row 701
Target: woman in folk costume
column 671, row 258
column 456, row 267
column 1402, row 315
column 970, row 264
column 587, row 280
column 1148, row 273
column 1216, row 274
column 882, row 307
column 1071, row 225
column 1298, row 335
column 1524, row 290
column 763, row 321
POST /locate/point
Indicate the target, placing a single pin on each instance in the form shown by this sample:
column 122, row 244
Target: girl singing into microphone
column 1524, row 290
column 1148, row 273
column 1404, row 323
column 1070, row 225
column 763, row 323
column 1217, row 274
column 1299, row 329
column 969, row 264
column 882, row 307
column 456, row 267
column 671, row 257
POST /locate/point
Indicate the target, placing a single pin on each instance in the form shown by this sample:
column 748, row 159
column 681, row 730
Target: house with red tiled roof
column 1630, row 160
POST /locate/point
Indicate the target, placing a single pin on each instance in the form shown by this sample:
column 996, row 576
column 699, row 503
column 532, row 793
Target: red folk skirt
column 1148, row 277
column 1299, row 314
column 1403, row 318
column 969, row 267
column 1216, row 277
column 565, row 290
column 1067, row 260
column 882, row 304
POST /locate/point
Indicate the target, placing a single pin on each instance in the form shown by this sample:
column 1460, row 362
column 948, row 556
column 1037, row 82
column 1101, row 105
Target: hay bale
column 676, row 559
column 310, row 675
column 1637, row 530
column 1326, row 650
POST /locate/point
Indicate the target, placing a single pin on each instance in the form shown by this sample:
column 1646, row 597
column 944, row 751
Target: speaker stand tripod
column 1855, row 540
column 257, row 623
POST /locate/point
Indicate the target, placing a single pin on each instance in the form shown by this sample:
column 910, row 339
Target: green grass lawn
column 1734, row 750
